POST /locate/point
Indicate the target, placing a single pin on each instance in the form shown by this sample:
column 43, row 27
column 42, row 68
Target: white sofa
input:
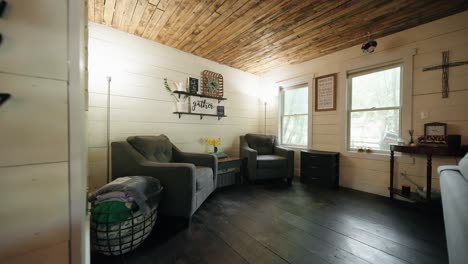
column 454, row 188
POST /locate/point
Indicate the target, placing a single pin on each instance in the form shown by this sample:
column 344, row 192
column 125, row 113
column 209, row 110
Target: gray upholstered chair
column 187, row 178
column 265, row 158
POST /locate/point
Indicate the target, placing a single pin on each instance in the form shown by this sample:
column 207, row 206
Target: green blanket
column 110, row 212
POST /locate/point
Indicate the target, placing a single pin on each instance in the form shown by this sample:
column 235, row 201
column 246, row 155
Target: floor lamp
column 109, row 79
column 265, row 122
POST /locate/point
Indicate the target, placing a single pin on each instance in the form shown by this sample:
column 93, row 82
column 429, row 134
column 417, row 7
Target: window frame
column 281, row 115
column 369, row 70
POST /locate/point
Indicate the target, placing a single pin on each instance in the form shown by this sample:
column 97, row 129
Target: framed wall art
column 212, row 84
column 192, row 85
column 325, row 92
column 220, row 110
column 200, row 105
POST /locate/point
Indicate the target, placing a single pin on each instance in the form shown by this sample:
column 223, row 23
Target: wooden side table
column 429, row 151
column 230, row 171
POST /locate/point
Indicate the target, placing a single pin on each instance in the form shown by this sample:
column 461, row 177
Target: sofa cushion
column 154, row 148
column 271, row 161
column 454, row 189
column 203, row 177
column 263, row 144
column 463, row 166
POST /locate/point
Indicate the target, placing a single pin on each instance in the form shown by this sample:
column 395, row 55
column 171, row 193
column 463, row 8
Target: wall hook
column 4, row 97
column 3, row 5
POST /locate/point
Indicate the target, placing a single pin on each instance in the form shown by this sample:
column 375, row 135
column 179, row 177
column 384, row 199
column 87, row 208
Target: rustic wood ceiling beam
column 222, row 22
column 323, row 48
column 137, row 16
column 204, row 23
column 260, row 35
column 199, row 16
column 240, row 27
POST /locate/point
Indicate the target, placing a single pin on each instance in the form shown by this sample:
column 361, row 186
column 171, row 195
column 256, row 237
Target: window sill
column 294, row 147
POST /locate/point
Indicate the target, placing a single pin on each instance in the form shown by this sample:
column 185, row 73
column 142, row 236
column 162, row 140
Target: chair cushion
column 271, row 161
column 154, row 148
column 203, row 177
column 463, row 166
column 263, row 144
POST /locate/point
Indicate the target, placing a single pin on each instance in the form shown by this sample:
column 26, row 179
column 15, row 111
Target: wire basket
column 117, row 238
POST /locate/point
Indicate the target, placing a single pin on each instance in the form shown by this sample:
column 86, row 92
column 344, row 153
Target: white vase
column 182, row 107
column 180, row 86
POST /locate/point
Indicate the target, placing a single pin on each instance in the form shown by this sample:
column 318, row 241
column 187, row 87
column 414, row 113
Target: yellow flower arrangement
column 215, row 142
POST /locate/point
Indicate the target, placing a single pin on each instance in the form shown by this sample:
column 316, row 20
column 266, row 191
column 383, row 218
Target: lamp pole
column 109, row 79
column 265, row 124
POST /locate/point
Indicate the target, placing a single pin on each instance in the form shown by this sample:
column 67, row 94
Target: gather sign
column 203, row 105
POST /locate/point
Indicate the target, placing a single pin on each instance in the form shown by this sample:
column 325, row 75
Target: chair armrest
column 177, row 179
column 179, row 183
column 251, row 155
column 200, row 159
column 284, row 152
column 177, row 175
column 289, row 155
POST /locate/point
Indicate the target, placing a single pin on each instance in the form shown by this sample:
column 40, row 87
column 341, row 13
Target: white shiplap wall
column 367, row 172
column 34, row 152
column 141, row 106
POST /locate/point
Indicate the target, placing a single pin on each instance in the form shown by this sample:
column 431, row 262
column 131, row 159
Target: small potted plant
column 213, row 142
column 181, row 102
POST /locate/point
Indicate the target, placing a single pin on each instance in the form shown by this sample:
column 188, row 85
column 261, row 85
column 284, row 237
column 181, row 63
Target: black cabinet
column 320, row 167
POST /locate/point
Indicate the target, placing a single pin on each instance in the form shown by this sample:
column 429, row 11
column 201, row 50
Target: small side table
column 429, row 151
column 230, row 171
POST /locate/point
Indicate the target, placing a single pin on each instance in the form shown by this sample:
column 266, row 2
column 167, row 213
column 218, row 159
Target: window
column 294, row 115
column 374, row 108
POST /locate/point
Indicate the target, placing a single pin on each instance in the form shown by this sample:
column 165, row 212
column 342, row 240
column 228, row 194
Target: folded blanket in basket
column 144, row 190
column 114, row 196
column 110, row 212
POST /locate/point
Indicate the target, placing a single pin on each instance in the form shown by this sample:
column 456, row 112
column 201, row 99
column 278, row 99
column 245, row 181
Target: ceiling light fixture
column 369, row 46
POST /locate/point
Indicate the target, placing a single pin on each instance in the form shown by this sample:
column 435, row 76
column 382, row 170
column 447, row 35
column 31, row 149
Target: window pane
column 295, row 130
column 295, row 101
column 377, row 89
column 374, row 129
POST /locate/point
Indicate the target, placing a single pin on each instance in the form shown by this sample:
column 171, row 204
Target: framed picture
column 435, row 134
column 220, row 110
column 435, row 129
column 212, row 84
column 325, row 93
column 192, row 85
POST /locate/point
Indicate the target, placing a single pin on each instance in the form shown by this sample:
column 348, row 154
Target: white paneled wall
column 140, row 105
column 367, row 172
column 34, row 150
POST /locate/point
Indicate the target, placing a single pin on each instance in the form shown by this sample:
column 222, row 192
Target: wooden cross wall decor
column 445, row 67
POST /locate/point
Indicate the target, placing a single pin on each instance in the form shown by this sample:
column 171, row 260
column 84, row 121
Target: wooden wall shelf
column 179, row 93
column 201, row 115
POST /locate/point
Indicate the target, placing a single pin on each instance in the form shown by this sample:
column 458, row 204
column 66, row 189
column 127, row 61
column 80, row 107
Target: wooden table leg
column 429, row 177
column 392, row 161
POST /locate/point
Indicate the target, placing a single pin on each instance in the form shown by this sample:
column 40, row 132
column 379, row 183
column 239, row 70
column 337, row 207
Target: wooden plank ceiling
column 259, row 35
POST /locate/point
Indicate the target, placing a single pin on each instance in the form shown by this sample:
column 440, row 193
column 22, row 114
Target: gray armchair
column 188, row 178
column 265, row 159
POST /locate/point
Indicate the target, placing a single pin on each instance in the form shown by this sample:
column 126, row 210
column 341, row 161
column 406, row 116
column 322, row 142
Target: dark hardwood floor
column 273, row 223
